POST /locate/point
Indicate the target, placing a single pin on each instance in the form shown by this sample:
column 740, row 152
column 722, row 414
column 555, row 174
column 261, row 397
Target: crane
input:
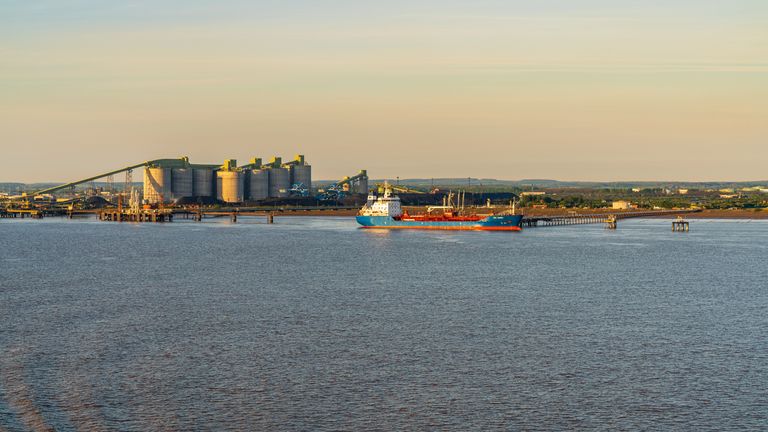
column 358, row 183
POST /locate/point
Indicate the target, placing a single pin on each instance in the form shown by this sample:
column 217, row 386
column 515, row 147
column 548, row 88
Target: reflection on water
column 313, row 324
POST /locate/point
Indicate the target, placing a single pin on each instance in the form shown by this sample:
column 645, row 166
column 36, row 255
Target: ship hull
column 490, row 223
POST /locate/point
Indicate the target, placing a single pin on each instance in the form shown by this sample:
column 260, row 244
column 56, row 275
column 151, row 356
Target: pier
column 140, row 216
column 197, row 214
column 610, row 219
column 21, row 213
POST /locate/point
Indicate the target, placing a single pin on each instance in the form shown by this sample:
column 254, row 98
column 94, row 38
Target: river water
column 314, row 324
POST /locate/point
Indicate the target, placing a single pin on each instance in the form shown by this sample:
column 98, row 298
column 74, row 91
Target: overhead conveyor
column 181, row 162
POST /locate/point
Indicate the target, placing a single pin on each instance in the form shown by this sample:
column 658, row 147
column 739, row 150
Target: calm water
column 313, row 324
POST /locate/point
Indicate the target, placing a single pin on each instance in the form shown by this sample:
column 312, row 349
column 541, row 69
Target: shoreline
column 760, row 214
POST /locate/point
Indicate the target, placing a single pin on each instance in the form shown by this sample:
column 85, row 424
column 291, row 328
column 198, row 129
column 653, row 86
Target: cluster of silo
column 275, row 179
column 168, row 180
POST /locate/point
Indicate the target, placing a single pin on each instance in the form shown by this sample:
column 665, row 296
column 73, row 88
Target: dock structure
column 680, row 225
column 610, row 219
column 134, row 212
column 21, row 213
column 112, row 215
column 197, row 214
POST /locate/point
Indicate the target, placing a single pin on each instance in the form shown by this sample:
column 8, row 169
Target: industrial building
column 169, row 180
column 179, row 181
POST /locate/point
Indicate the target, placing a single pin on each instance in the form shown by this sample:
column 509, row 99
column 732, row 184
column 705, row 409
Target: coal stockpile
column 97, row 202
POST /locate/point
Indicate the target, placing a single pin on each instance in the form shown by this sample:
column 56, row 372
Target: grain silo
column 279, row 182
column 362, row 184
column 301, row 172
column 258, row 184
column 229, row 186
column 157, row 185
column 203, row 182
column 181, row 183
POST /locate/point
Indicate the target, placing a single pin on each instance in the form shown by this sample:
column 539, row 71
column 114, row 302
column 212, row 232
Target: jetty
column 610, row 219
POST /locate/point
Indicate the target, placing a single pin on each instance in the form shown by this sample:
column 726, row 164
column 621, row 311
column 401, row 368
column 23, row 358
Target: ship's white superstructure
column 386, row 205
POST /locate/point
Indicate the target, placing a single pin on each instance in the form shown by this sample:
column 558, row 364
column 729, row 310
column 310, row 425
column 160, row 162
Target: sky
column 598, row 90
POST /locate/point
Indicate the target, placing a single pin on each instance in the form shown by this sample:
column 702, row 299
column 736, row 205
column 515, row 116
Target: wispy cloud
column 620, row 68
column 526, row 18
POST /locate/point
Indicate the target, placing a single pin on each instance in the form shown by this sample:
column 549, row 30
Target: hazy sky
column 564, row 89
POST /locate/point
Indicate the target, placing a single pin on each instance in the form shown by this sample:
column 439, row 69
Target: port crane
column 334, row 192
column 337, row 191
column 299, row 189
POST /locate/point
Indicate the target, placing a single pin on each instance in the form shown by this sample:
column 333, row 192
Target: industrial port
column 178, row 187
column 180, row 182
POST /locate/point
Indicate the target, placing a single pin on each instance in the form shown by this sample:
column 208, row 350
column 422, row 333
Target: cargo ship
column 386, row 212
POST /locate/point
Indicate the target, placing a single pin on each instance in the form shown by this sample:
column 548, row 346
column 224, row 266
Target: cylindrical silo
column 279, row 182
column 301, row 174
column 259, row 184
column 229, row 186
column 181, row 184
column 203, row 182
column 362, row 185
column 157, row 185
